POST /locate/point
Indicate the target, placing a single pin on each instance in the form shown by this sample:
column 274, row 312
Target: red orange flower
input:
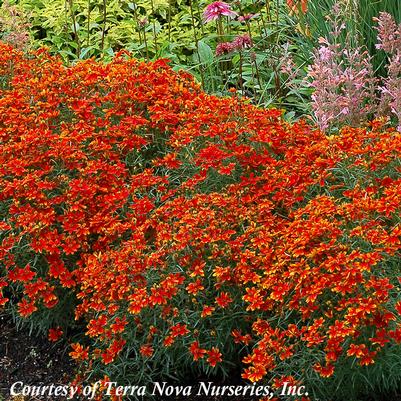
column 196, row 351
column 79, row 352
column 213, row 356
column 55, row 334
column 146, row 350
column 295, row 5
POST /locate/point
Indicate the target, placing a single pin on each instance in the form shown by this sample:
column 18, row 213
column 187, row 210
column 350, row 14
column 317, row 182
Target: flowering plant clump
column 389, row 38
column 342, row 76
column 181, row 226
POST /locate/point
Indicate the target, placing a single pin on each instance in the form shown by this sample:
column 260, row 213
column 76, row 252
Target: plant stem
column 169, row 20
column 220, row 30
column 268, row 11
column 197, row 43
column 89, row 18
column 146, row 43
column 240, row 81
column 104, row 23
column 74, row 22
column 154, row 25
column 258, row 78
column 200, row 18
column 138, row 25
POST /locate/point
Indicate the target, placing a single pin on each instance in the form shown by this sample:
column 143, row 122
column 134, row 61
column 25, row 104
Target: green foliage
column 174, row 29
column 80, row 29
column 84, row 28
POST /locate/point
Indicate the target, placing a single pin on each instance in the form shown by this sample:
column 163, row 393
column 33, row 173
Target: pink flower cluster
column 344, row 85
column 389, row 37
column 239, row 43
column 216, row 9
column 389, row 34
column 345, row 88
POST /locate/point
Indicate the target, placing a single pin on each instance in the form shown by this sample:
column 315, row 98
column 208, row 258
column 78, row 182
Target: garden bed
column 157, row 226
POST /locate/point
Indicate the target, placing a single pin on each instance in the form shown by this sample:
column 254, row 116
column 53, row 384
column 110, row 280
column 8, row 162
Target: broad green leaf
column 205, row 53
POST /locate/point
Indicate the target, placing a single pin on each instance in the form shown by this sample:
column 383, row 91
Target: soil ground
column 30, row 359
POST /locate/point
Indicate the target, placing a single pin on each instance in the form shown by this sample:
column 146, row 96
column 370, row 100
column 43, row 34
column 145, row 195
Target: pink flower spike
column 216, row 9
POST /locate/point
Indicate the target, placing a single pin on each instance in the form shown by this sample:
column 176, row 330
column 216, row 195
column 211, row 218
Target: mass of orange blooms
column 172, row 215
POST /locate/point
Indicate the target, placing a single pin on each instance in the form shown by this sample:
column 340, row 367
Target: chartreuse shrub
column 244, row 49
column 184, row 231
column 82, row 28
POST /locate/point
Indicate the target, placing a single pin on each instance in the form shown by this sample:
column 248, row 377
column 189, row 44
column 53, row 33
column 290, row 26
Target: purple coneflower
column 239, row 43
column 242, row 42
column 224, row 48
column 214, row 10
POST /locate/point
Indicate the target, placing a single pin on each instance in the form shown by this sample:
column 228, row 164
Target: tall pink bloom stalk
column 216, row 9
column 343, row 81
column 344, row 85
column 389, row 37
